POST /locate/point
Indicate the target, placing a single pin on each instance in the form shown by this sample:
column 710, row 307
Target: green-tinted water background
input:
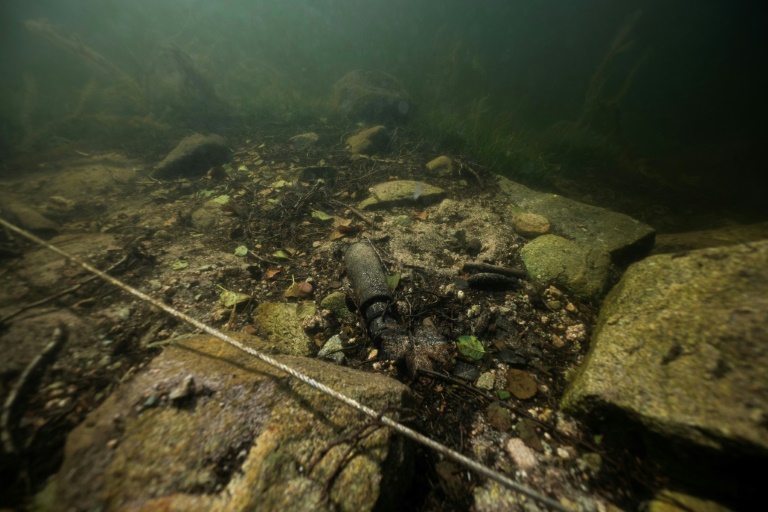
column 658, row 95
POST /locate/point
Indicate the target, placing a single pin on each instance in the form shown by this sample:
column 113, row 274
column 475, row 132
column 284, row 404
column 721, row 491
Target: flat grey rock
column 623, row 237
column 401, row 193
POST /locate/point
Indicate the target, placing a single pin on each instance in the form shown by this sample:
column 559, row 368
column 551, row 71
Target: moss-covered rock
column 336, row 302
column 370, row 141
column 679, row 351
column 441, row 166
column 671, row 501
column 372, row 96
column 402, row 192
column 551, row 259
column 193, row 156
column 530, row 225
column 279, row 324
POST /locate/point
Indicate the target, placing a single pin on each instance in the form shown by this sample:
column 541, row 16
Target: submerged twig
column 479, row 267
column 23, row 385
column 357, row 212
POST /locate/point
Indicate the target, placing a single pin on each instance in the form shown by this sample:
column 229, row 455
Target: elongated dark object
column 365, row 272
column 371, row 290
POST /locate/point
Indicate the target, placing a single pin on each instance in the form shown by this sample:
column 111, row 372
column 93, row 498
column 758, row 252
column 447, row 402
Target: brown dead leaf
column 521, row 383
column 336, row 235
column 272, row 272
column 499, row 417
column 526, row 429
column 341, row 221
column 292, row 291
column 420, row 215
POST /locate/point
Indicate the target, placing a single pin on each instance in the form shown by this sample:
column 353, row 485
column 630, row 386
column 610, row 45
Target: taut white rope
column 391, row 423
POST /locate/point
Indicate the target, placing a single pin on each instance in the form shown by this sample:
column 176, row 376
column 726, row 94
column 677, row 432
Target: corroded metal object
column 374, row 298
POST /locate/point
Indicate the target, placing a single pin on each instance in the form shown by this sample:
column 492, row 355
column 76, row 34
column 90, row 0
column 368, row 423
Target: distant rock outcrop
column 193, row 156
column 372, row 96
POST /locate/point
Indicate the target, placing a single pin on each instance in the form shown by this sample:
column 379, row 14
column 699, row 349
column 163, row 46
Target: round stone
column 530, row 225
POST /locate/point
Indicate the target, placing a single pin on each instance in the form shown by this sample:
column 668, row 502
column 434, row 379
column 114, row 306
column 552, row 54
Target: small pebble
column 305, row 289
column 523, row 456
column 486, row 381
column 183, row 390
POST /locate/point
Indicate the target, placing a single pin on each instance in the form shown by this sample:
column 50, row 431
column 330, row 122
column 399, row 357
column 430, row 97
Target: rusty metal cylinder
column 366, row 275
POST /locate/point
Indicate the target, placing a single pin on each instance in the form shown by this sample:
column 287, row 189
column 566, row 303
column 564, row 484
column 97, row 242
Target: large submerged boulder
column 372, row 96
column 207, row 428
column 680, row 354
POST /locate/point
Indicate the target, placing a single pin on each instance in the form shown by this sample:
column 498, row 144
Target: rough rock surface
column 530, row 225
column 623, row 237
column 27, row 217
column 280, row 325
column 551, row 259
column 402, row 192
column 44, row 268
column 441, row 165
column 332, row 350
column 241, row 436
column 23, row 340
column 372, row 96
column 675, row 242
column 437, row 245
column 210, row 216
column 193, row 156
column 679, row 350
column 370, row 141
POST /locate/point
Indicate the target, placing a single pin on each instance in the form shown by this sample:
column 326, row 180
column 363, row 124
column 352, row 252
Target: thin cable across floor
column 385, row 420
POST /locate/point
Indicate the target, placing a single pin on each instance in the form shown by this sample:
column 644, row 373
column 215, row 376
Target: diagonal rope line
column 391, row 423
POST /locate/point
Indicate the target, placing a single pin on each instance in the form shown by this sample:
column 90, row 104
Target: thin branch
column 23, row 385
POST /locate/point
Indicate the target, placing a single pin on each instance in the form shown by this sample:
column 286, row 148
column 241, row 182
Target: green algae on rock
column 402, row 192
column 247, row 438
column 679, row 352
column 551, row 259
